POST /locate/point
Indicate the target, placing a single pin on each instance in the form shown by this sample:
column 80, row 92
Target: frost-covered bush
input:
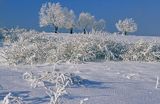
column 56, row 92
column 60, row 80
column 39, row 48
column 35, row 48
column 55, row 77
column 30, row 49
column 143, row 51
column 11, row 35
column 58, row 83
column 9, row 99
column 89, row 48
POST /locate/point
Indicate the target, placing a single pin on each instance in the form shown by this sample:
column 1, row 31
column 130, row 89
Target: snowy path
column 106, row 83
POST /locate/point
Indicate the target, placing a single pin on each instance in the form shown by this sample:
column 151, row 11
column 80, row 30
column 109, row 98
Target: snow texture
column 133, row 80
column 113, row 82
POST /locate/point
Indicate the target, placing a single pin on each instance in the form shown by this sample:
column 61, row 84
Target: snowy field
column 79, row 62
column 102, row 81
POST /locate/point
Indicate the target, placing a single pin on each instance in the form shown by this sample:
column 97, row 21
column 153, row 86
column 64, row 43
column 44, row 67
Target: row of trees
column 55, row 15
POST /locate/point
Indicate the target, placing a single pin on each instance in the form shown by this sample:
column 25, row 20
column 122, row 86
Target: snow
column 105, row 82
column 111, row 82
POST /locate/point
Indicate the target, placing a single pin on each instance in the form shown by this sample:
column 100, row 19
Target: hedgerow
column 38, row 48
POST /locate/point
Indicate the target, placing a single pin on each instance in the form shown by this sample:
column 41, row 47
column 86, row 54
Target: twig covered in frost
column 56, row 94
column 157, row 82
column 54, row 77
column 35, row 81
column 60, row 80
column 84, row 100
column 9, row 99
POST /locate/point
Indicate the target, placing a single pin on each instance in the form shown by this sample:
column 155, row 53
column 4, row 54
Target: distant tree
column 52, row 14
column 99, row 25
column 126, row 25
column 69, row 19
column 85, row 21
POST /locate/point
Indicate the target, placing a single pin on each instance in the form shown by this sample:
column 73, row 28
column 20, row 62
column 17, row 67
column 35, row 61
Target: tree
column 99, row 25
column 126, row 25
column 69, row 19
column 52, row 14
column 85, row 21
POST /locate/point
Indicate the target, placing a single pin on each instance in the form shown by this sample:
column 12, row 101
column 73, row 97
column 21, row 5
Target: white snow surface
column 105, row 83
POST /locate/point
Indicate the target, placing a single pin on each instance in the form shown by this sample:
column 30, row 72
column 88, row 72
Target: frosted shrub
column 36, row 48
column 59, row 90
column 57, row 78
column 114, row 51
column 136, row 51
column 35, row 81
column 11, row 35
column 28, row 50
column 91, row 48
column 143, row 51
column 9, row 99
column 60, row 81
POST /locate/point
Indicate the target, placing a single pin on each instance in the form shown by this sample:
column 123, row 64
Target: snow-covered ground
column 105, row 83
column 112, row 36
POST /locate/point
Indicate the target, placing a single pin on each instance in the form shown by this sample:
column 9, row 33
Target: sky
column 146, row 13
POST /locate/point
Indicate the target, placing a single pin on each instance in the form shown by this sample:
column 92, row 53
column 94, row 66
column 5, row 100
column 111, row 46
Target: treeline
column 54, row 14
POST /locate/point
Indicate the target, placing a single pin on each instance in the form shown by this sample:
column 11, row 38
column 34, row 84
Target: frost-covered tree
column 85, row 21
column 69, row 19
column 52, row 14
column 99, row 25
column 126, row 25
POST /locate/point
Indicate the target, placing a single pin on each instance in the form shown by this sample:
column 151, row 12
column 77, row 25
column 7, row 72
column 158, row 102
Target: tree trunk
column 71, row 30
column 125, row 33
column 84, row 31
column 56, row 29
